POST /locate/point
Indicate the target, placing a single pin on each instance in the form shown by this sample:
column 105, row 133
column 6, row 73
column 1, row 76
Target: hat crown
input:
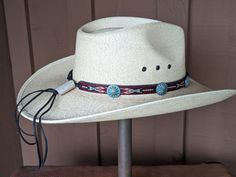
column 129, row 51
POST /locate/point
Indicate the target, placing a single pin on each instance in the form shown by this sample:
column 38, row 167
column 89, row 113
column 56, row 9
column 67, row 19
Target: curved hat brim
column 78, row 106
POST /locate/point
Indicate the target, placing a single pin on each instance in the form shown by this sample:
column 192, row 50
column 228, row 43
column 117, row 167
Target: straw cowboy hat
column 123, row 67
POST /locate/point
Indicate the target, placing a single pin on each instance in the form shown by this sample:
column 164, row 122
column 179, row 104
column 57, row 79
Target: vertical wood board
column 10, row 151
column 20, row 60
column 211, row 129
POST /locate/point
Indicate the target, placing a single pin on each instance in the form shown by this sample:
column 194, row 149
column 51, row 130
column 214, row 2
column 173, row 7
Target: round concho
column 161, row 88
column 113, row 91
column 187, row 81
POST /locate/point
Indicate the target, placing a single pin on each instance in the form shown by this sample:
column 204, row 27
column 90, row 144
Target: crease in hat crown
column 114, row 50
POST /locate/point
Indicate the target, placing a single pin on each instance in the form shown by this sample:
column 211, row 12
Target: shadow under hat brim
column 79, row 106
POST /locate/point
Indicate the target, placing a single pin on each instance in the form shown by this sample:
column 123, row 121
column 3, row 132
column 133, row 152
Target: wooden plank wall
column 211, row 130
column 10, row 150
column 42, row 31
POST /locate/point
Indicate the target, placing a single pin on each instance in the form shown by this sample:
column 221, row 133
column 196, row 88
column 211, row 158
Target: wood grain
column 20, row 60
column 208, row 170
column 175, row 12
column 158, row 139
column 211, row 130
column 72, row 144
column 140, row 8
column 18, row 41
column 10, row 151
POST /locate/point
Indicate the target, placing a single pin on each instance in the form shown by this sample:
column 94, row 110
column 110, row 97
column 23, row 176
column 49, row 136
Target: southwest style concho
column 114, row 91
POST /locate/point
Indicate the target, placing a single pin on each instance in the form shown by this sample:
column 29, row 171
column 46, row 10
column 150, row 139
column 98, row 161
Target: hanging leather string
column 37, row 119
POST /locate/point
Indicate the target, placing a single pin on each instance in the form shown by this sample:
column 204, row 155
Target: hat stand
column 125, row 148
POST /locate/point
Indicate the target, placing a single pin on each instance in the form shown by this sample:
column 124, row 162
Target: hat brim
column 79, row 106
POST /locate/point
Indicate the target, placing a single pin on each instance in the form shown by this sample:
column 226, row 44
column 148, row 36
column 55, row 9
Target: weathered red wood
column 10, row 152
column 206, row 170
column 20, row 60
column 211, row 130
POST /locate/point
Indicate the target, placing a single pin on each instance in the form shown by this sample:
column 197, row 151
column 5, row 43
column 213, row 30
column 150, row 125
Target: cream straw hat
column 123, row 67
column 118, row 66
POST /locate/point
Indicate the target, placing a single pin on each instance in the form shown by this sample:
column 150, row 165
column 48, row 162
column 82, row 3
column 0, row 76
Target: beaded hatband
column 115, row 91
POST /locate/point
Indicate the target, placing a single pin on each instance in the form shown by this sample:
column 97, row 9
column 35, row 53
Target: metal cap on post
column 125, row 148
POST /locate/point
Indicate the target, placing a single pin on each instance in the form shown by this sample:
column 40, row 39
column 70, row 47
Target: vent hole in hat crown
column 169, row 66
column 157, row 67
column 144, row 69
